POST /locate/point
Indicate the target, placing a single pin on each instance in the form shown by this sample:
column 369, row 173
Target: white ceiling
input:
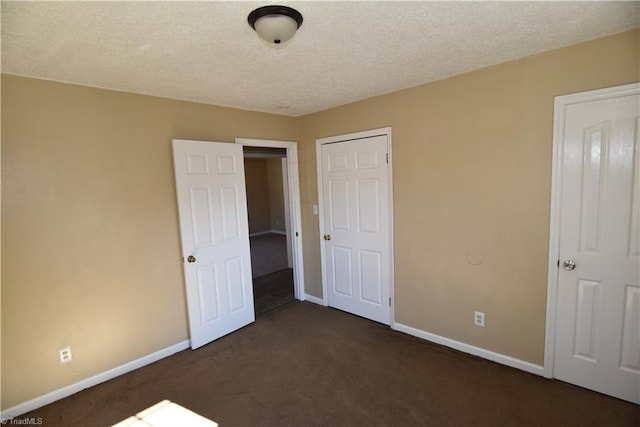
column 344, row 51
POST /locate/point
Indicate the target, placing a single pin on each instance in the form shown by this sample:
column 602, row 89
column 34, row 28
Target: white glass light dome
column 275, row 24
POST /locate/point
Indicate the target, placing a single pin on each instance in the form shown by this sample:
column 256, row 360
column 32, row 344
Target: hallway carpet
column 307, row 365
column 268, row 253
column 273, row 290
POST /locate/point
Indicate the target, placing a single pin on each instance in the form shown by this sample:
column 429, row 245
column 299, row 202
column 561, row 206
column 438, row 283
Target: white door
column 356, row 226
column 597, row 339
column 214, row 229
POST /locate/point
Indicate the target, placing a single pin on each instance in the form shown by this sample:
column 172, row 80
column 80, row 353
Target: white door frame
column 386, row 131
column 294, row 205
column 560, row 105
column 287, row 213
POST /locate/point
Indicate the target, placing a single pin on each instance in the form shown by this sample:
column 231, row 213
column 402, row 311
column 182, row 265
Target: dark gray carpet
column 307, row 365
column 268, row 253
column 273, row 290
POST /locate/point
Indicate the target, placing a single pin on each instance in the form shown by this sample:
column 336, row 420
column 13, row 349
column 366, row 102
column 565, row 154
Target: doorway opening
column 271, row 267
column 273, row 214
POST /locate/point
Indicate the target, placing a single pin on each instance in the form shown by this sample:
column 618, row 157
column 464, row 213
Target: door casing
column 386, row 131
column 560, row 104
column 293, row 206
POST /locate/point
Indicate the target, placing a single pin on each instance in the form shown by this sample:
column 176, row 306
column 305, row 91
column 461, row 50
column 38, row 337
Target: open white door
column 597, row 319
column 214, row 229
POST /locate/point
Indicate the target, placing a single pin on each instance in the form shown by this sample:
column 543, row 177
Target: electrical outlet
column 478, row 318
column 65, row 355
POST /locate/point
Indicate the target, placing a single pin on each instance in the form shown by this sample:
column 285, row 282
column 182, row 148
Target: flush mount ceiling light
column 275, row 24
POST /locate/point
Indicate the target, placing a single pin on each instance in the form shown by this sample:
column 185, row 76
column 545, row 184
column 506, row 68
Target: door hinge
column 387, row 158
column 558, row 264
column 389, row 302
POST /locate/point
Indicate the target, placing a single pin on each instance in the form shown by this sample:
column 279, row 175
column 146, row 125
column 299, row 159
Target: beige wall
column 276, row 194
column 472, row 175
column 255, row 171
column 90, row 233
column 265, row 198
column 91, row 250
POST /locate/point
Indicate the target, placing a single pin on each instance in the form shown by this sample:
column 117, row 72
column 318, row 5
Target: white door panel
column 215, row 234
column 598, row 303
column 356, row 245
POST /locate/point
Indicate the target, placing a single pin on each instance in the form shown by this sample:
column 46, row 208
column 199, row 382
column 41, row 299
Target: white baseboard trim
column 262, row 233
column 259, row 233
column 312, row 299
column 476, row 351
column 61, row 393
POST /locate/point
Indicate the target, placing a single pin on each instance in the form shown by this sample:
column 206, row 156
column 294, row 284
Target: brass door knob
column 191, row 258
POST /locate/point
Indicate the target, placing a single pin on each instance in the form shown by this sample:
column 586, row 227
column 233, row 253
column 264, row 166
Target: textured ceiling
column 344, row 51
